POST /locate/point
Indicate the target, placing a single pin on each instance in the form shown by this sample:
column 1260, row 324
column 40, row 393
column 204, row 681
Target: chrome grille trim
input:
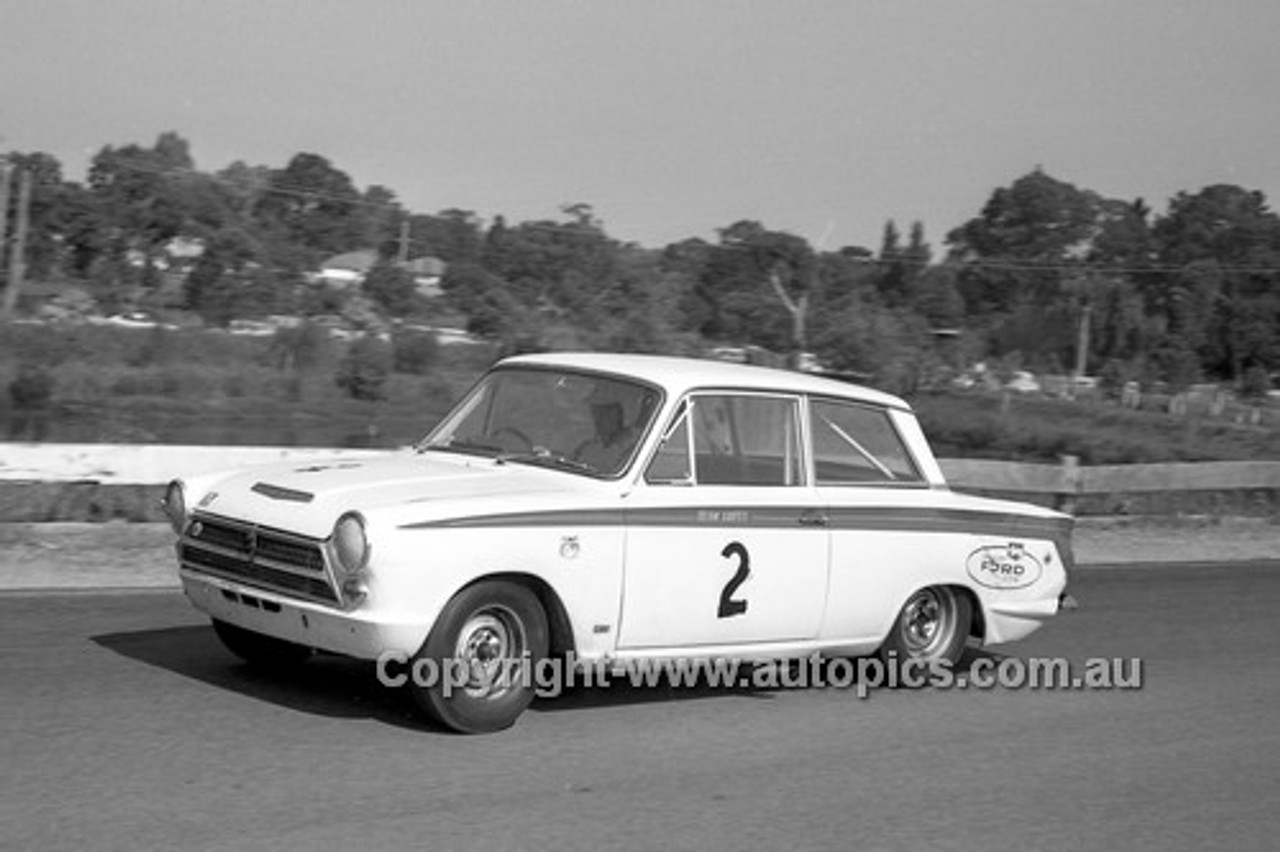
column 258, row 556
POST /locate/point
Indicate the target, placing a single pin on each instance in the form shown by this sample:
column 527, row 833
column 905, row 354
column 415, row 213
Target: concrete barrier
column 144, row 464
column 104, row 482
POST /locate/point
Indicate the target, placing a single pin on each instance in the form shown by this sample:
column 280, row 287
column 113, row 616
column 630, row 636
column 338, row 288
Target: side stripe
column 778, row 517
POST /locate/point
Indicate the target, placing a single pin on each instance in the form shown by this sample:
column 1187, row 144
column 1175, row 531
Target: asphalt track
column 126, row 726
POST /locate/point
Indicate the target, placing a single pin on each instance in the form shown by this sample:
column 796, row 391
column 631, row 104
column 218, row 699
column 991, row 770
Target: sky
column 824, row 118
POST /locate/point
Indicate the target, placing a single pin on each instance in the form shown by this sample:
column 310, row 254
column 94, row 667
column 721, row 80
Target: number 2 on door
column 730, row 607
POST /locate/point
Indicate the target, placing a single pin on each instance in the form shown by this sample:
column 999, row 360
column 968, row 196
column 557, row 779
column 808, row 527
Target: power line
column 298, row 191
column 253, row 184
column 1105, row 268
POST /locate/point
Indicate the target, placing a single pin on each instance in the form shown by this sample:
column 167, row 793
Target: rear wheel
column 482, row 650
column 264, row 652
column 932, row 626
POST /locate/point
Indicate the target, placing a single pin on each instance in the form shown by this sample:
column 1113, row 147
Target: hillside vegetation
column 102, row 384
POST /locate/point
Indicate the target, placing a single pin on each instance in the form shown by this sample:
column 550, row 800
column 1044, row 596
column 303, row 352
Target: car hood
column 307, row 498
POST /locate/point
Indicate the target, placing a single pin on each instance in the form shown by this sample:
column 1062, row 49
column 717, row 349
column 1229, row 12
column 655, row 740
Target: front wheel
column 933, row 625
column 481, row 652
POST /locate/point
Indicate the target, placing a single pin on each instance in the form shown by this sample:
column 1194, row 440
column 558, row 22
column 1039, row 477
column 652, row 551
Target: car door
column 726, row 537
column 887, row 533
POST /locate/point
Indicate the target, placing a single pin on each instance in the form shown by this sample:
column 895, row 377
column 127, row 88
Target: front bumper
column 354, row 634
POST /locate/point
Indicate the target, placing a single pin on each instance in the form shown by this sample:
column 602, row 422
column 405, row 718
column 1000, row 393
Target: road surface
column 127, row 726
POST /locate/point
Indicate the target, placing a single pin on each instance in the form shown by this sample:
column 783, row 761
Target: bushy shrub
column 300, row 347
column 32, row 387
column 234, row 385
column 363, row 371
column 138, row 383
column 1043, row 430
column 392, row 288
column 153, row 347
column 415, row 351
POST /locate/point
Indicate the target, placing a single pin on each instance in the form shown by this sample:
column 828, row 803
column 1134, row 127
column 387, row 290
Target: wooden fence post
column 1070, row 484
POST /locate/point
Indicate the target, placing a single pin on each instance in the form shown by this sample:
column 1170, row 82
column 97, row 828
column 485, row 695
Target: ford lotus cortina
column 611, row 510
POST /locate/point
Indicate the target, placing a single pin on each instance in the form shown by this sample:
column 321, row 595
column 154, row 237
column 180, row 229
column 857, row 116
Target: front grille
column 257, row 556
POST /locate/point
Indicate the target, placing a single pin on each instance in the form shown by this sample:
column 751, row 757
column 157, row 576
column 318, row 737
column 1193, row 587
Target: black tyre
column 263, row 652
column 482, row 647
column 933, row 625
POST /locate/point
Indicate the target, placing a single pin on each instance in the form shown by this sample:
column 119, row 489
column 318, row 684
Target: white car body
column 639, row 562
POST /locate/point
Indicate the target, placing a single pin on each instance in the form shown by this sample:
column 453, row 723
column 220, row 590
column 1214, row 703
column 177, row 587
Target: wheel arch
column 892, row 642
column 978, row 615
column 561, row 641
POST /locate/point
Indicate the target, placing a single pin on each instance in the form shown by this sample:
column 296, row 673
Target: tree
column 299, row 347
column 210, row 292
column 1014, row 250
column 1220, row 296
column 363, row 371
column 44, row 232
column 227, row 282
column 392, row 288
column 243, row 186
column 938, row 299
column 554, row 271
column 751, row 260
column 466, row 287
column 1025, row 266
column 900, row 266
column 379, row 217
column 414, row 351
column 314, row 206
column 642, row 309
column 453, row 235
column 142, row 202
column 685, row 261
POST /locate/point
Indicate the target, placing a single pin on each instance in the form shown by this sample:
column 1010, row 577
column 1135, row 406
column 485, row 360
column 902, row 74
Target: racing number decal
column 728, row 606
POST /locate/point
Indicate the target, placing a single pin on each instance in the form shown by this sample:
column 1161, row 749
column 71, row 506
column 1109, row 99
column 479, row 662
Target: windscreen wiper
column 546, row 458
column 459, row 445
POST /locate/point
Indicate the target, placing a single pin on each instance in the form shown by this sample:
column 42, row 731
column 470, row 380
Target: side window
column 857, row 443
column 746, row 440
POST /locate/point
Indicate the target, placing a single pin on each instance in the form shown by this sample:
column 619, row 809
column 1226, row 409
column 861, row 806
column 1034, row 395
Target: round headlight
column 350, row 544
column 175, row 506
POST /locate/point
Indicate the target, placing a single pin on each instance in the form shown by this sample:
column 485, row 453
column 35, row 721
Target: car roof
column 679, row 375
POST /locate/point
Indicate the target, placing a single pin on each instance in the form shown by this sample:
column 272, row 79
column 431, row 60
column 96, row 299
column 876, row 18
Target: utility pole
column 403, row 254
column 1082, row 346
column 4, row 204
column 17, row 262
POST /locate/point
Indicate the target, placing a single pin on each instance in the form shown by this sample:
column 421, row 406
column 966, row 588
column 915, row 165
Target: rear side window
column 855, row 443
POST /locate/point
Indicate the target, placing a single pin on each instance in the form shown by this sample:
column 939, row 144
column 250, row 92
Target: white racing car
column 612, row 509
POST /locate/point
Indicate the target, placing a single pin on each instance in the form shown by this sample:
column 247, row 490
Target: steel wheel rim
column 490, row 650
column 928, row 622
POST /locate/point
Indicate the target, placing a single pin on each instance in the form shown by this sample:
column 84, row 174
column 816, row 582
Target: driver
column 614, row 438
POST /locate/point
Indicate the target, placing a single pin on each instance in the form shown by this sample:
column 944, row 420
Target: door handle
column 813, row 518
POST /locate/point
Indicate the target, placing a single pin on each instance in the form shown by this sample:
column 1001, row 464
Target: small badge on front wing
column 570, row 547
